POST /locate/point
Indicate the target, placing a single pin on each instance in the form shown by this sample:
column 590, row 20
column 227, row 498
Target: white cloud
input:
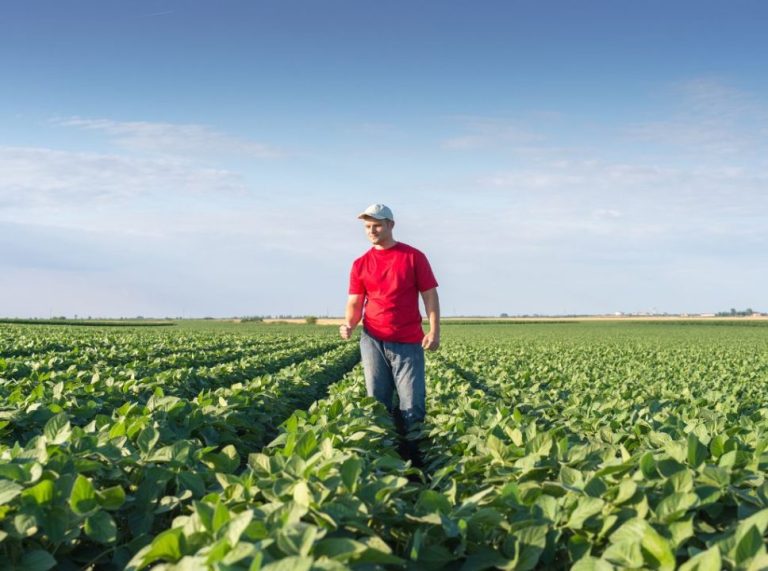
column 715, row 98
column 701, row 188
column 172, row 139
column 39, row 177
column 711, row 118
column 608, row 213
column 483, row 132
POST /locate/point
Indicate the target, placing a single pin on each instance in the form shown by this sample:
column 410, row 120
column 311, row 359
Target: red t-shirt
column 391, row 280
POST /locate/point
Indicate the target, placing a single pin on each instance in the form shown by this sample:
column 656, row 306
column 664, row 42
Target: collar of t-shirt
column 385, row 251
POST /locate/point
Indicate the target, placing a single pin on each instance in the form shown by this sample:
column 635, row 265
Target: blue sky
column 197, row 158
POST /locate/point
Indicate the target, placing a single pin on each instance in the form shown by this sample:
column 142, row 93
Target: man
column 384, row 288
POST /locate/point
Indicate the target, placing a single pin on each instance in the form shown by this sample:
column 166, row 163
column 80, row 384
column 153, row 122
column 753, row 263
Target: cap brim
column 366, row 215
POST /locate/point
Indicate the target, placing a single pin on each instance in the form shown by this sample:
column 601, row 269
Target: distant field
column 549, row 444
column 626, row 319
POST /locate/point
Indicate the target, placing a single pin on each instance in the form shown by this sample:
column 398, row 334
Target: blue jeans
column 391, row 367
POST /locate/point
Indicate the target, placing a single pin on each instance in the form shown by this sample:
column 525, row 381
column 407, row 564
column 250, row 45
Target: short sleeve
column 425, row 279
column 356, row 286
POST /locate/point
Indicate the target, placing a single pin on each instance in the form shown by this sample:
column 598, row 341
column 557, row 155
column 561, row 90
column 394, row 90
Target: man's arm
column 431, row 340
column 352, row 315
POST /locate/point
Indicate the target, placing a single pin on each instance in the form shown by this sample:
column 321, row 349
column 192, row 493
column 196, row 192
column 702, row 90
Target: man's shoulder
column 408, row 249
column 362, row 257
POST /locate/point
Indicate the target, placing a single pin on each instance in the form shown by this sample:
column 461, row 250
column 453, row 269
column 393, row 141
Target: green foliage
column 633, row 447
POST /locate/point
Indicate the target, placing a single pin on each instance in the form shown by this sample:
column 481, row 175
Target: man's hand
column 352, row 315
column 346, row 331
column 431, row 341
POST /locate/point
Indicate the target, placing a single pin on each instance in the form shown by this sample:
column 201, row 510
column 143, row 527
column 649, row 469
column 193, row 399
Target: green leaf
column 230, row 452
column 57, row 430
column 350, row 473
column 101, row 527
column 759, row 520
column 484, row 558
column 657, row 551
column 719, row 477
column 708, row 560
column 55, row 522
column 680, row 481
column 495, row 446
column 431, row 501
column 648, row 466
column 180, row 451
column 697, row 452
column 339, row 548
column 301, row 494
column 717, row 446
column 625, row 554
column 8, row 491
column 192, row 482
column 571, row 478
column 82, row 500
column 147, row 440
column 237, row 525
column 532, row 541
column 12, row 472
column 727, row 460
column 750, row 544
column 378, row 552
column 37, row 560
column 681, row 530
column 166, row 546
column 226, row 461
column 259, row 462
column 117, row 430
column 295, row 563
column 627, row 489
column 240, row 552
column 630, row 531
column 298, row 539
column 111, row 498
column 589, row 563
column 586, row 508
column 674, row 506
column 41, row 493
column 220, row 516
column 25, row 524
column 164, row 454
column 306, row 445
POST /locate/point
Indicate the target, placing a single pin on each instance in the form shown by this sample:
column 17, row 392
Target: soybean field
column 586, row 446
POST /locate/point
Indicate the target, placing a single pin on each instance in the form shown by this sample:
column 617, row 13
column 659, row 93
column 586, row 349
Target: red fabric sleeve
column 425, row 279
column 356, row 286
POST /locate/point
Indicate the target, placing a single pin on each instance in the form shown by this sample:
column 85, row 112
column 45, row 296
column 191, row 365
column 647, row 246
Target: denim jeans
column 391, row 367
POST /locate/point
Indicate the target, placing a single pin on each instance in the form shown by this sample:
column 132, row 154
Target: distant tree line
column 736, row 313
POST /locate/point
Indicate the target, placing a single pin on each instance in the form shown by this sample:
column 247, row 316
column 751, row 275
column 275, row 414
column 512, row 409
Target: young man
column 384, row 288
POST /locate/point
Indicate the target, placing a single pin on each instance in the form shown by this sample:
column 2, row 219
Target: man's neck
column 387, row 246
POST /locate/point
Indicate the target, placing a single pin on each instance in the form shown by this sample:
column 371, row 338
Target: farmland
column 547, row 446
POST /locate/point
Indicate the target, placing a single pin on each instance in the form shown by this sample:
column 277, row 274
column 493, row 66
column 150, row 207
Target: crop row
column 92, row 485
column 133, row 357
column 87, row 392
column 328, row 492
column 601, row 473
column 20, row 341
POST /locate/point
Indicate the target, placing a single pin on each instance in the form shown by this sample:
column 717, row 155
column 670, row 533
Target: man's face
column 378, row 231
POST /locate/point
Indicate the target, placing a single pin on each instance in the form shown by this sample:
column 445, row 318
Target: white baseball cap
column 377, row 211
